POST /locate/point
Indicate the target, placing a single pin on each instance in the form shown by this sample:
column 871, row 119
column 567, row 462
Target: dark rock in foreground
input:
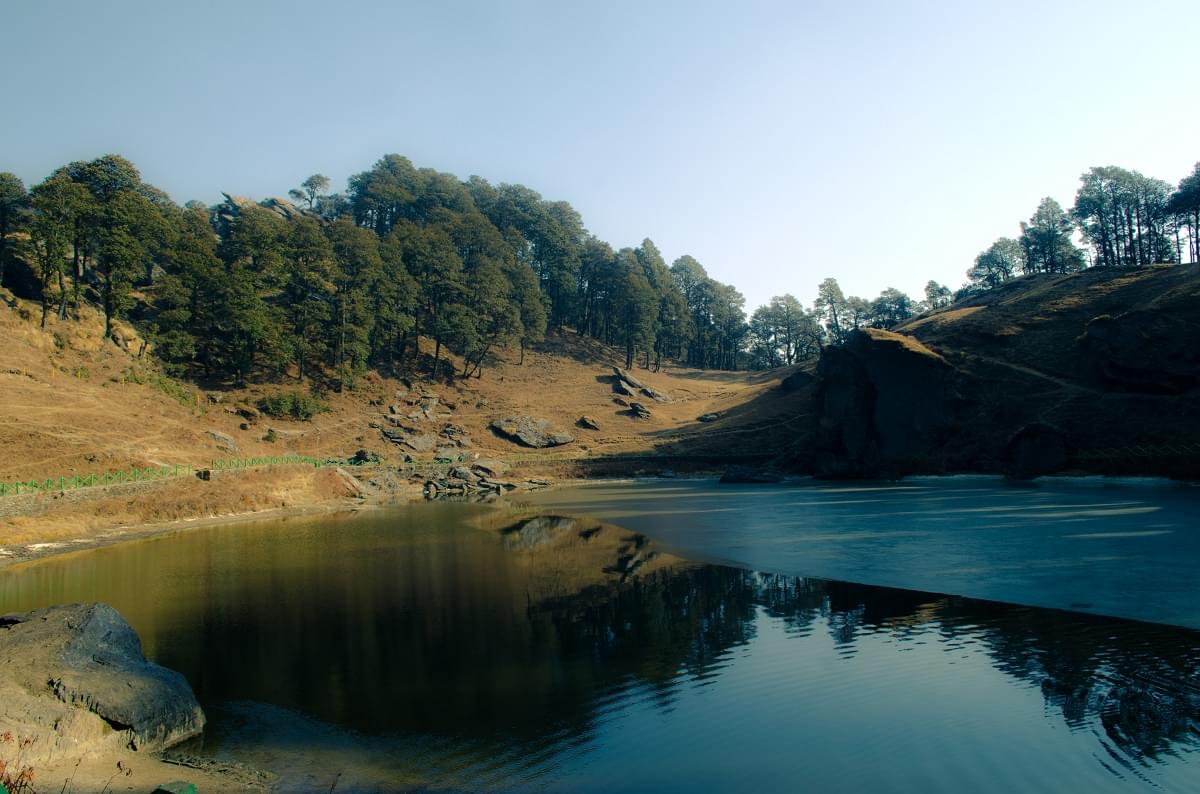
column 531, row 432
column 74, row 676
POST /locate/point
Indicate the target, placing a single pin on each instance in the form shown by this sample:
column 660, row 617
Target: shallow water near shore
column 411, row 648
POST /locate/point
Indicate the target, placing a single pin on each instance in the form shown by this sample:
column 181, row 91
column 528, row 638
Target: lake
column 461, row 647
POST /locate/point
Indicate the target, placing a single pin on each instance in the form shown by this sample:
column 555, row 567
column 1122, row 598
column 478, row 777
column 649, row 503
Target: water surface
column 1123, row 548
column 413, row 649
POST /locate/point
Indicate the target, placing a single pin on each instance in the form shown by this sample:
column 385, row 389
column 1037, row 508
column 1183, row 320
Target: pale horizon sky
column 779, row 143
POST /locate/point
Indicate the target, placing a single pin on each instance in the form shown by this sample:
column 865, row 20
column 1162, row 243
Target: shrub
column 292, row 405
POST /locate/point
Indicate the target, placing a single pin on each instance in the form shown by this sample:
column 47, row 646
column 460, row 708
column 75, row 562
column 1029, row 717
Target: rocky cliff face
column 74, row 678
column 1097, row 372
column 884, row 401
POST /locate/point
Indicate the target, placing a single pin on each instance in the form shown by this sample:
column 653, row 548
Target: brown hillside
column 1095, row 372
column 74, row 403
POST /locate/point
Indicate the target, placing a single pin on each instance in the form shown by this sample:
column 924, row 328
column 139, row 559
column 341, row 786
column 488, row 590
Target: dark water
column 409, row 649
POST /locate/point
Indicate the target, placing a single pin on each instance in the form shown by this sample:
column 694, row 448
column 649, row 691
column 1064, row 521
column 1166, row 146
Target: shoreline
column 111, row 536
column 12, row 555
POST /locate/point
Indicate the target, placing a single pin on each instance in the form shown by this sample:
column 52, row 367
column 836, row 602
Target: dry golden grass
column 72, row 402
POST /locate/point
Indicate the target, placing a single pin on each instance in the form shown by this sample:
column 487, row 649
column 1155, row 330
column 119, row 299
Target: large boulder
column 75, row 677
column 883, row 401
column 627, row 376
column 530, row 432
column 655, row 394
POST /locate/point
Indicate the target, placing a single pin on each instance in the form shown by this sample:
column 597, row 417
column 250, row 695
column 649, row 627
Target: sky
column 779, row 143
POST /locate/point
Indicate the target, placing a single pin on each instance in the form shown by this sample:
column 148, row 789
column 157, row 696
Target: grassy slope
column 72, row 402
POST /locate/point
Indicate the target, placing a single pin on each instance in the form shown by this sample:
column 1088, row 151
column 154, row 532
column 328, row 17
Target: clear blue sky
column 883, row 143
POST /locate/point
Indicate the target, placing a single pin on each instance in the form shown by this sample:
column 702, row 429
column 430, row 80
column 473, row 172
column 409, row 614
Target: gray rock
column 655, row 394
column 620, row 402
column 639, row 411
column 708, row 418
column 490, row 466
column 588, row 423
column 63, row 660
column 417, row 442
column 628, row 378
column 530, row 432
column 464, row 473
column 224, row 441
column 623, row 388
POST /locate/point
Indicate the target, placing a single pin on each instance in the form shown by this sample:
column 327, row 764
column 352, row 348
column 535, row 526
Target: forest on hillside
column 325, row 285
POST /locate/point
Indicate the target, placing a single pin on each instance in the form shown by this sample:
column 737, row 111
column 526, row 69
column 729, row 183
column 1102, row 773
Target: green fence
column 74, row 481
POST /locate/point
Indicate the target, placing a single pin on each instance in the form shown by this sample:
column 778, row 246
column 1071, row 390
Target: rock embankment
column 883, row 401
column 74, row 680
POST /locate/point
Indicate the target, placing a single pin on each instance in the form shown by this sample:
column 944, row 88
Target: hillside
column 73, row 403
column 1096, row 372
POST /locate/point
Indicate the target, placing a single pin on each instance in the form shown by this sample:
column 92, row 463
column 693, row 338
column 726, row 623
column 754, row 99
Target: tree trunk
column 628, row 355
column 62, row 299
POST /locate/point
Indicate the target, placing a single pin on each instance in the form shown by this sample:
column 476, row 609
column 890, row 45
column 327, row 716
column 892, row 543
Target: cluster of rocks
column 483, row 478
column 625, row 384
column 419, row 422
column 530, row 432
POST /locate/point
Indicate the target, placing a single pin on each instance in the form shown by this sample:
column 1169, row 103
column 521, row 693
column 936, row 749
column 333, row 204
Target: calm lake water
column 419, row 648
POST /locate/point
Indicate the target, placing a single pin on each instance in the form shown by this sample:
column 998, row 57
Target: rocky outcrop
column 1145, row 351
column 74, row 677
column 530, row 432
column 655, row 394
column 883, row 401
column 627, row 377
column 228, row 211
column 587, row 423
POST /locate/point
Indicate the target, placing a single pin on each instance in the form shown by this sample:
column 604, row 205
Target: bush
column 292, row 405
